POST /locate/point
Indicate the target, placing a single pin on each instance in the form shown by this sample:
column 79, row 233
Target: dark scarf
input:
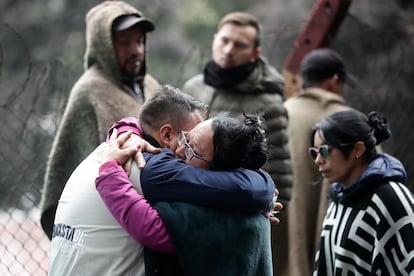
column 225, row 78
column 151, row 140
column 136, row 83
column 135, row 86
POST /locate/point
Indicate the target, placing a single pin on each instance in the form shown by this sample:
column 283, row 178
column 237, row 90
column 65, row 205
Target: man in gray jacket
column 239, row 80
column 114, row 85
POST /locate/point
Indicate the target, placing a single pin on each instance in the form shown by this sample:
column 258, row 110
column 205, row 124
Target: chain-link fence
column 31, row 104
column 23, row 245
column 31, row 110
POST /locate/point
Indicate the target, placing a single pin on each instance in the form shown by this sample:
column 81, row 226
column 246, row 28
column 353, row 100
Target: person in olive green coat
column 113, row 86
column 239, row 80
column 323, row 78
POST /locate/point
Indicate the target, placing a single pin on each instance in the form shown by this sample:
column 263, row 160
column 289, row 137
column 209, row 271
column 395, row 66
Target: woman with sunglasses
column 369, row 226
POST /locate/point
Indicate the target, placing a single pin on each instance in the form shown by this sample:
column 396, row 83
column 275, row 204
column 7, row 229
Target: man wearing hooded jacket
column 114, row 85
column 239, row 80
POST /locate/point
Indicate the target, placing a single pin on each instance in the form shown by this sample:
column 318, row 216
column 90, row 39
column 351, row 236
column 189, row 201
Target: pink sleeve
column 125, row 124
column 131, row 210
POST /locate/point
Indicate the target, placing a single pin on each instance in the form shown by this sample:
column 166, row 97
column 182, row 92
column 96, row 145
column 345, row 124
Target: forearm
column 165, row 178
column 131, row 210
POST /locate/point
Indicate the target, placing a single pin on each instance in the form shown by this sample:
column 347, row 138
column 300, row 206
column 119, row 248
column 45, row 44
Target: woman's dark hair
column 239, row 144
column 343, row 129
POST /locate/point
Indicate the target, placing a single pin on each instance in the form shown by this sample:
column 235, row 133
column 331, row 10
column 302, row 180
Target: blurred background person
column 238, row 79
column 324, row 76
column 113, row 85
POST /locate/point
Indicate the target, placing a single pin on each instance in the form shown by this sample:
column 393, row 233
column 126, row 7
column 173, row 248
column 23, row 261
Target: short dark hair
column 239, row 144
column 169, row 105
column 344, row 128
column 321, row 64
column 242, row 19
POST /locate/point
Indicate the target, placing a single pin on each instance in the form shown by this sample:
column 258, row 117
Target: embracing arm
column 130, row 209
column 166, row 178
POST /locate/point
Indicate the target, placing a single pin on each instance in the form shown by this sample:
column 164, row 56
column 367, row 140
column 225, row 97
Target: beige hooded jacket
column 309, row 200
column 97, row 99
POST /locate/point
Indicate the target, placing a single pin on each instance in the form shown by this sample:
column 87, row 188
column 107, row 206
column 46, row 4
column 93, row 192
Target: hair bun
column 256, row 122
column 380, row 126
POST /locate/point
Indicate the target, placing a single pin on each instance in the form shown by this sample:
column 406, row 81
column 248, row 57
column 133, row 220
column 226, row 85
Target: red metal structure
column 319, row 31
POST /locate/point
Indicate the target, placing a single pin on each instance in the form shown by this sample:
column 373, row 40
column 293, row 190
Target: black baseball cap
column 323, row 63
column 127, row 21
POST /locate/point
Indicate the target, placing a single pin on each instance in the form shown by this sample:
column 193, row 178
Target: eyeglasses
column 322, row 150
column 188, row 151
